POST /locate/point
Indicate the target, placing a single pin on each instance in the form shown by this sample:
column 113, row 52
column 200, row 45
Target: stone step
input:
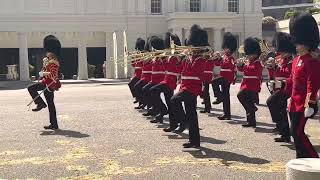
column 3, row 77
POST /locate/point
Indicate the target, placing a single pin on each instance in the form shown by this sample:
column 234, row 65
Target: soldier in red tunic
column 305, row 33
column 190, row 88
column 137, row 65
column 49, row 80
column 207, row 79
column 251, row 83
column 227, row 75
column 168, row 84
column 281, row 70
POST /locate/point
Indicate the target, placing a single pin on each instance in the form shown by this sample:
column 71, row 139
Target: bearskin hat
column 252, row 46
column 229, row 42
column 140, row 43
column 304, row 30
column 157, row 43
column 282, row 42
column 198, row 37
column 174, row 37
column 52, row 44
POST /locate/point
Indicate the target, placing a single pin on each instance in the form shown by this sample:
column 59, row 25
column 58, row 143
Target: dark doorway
column 96, row 56
column 8, row 56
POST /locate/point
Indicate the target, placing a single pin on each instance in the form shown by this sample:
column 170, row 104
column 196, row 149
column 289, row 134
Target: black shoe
column 170, row 129
column 190, row 145
column 154, row 121
column 135, row 102
column 141, row 106
column 224, row 117
column 217, row 102
column 51, row 127
column 180, row 129
column 159, row 118
column 249, row 125
column 39, row 107
column 147, row 114
column 205, row 111
column 282, row 139
column 275, row 130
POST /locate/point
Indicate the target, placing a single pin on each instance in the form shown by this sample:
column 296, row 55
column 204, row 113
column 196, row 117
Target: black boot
column 224, row 117
column 218, row 101
column 249, row 125
column 39, row 107
column 282, row 139
column 205, row 111
column 54, row 127
column 190, row 145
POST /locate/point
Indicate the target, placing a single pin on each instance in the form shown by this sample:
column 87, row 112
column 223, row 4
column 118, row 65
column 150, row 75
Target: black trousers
column 157, row 101
column 277, row 104
column 131, row 84
column 33, row 90
column 222, row 94
column 146, row 95
column 247, row 99
column 206, row 96
column 189, row 116
column 138, row 90
column 304, row 148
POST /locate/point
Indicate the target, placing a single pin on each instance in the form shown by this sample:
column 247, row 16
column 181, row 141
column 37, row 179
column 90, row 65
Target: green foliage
column 293, row 11
column 91, row 70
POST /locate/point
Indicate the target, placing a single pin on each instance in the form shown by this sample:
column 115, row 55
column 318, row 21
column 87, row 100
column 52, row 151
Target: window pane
column 155, row 6
column 195, row 5
column 233, row 5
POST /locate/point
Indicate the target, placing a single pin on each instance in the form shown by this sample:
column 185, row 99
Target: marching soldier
column 251, row 82
column 207, row 78
column 190, row 88
column 168, row 84
column 281, row 70
column 227, row 75
column 137, row 65
column 305, row 33
column 49, row 80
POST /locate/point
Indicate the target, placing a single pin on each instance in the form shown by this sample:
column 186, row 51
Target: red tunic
column 158, row 71
column 314, row 81
column 52, row 79
column 301, row 73
column 208, row 70
column 146, row 71
column 282, row 71
column 137, row 65
column 172, row 71
column 252, row 76
column 228, row 68
column 192, row 75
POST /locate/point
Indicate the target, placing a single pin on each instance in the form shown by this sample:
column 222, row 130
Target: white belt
column 251, row 77
column 190, row 78
column 280, row 78
column 146, row 72
column 137, row 67
column 209, row 72
column 226, row 70
column 172, row 73
column 158, row 72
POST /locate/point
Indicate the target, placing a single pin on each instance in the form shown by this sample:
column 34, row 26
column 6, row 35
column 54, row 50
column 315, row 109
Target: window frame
column 233, row 6
column 156, row 7
column 195, row 6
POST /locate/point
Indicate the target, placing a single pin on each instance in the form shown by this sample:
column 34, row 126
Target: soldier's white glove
column 41, row 74
column 308, row 112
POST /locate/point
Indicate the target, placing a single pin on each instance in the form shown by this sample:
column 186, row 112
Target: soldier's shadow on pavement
column 66, row 133
column 238, row 122
column 225, row 156
column 203, row 138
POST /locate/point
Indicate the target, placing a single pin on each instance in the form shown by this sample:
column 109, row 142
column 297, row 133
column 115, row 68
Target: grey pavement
column 103, row 137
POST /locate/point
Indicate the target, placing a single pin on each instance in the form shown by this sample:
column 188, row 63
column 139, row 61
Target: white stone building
column 86, row 25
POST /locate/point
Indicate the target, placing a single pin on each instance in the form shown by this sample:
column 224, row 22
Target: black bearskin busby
column 157, row 43
column 198, row 37
column 282, row 42
column 52, row 44
column 252, row 46
column 174, row 37
column 140, row 43
column 229, row 42
column 304, row 30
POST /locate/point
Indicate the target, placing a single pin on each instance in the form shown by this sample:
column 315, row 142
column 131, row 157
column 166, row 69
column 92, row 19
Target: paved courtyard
column 103, row 137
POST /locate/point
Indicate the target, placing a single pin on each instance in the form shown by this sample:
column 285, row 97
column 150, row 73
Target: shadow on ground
column 202, row 138
column 66, row 133
column 225, row 156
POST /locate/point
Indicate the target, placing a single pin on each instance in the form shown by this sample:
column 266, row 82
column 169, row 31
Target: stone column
column 82, row 56
column 121, row 66
column 217, row 39
column 23, row 57
column 109, row 56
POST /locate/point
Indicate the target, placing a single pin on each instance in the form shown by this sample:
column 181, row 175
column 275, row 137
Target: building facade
column 86, row 28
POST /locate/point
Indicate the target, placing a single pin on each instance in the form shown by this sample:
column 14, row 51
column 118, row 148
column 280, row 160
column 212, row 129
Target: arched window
column 156, row 7
column 233, row 6
column 195, row 5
